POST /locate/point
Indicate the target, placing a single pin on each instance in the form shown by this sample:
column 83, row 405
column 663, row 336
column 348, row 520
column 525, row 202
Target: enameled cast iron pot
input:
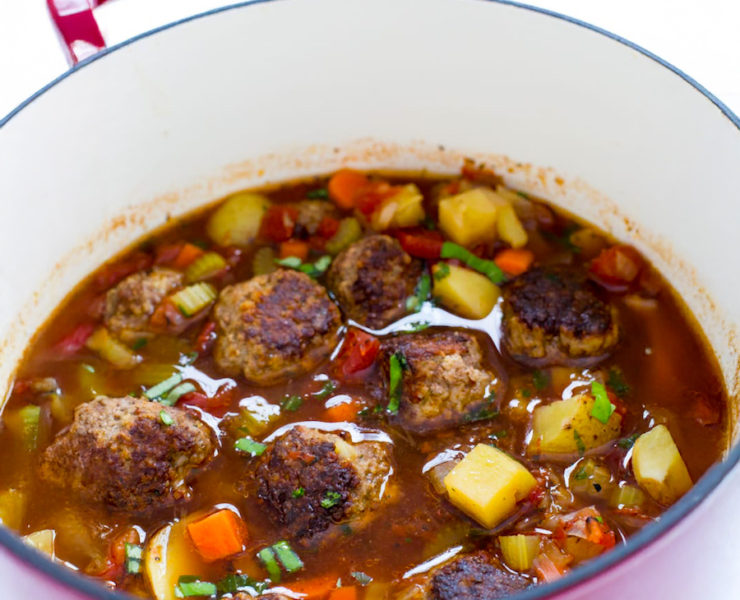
column 274, row 89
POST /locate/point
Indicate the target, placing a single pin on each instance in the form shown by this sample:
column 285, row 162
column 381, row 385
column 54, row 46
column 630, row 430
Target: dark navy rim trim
column 637, row 542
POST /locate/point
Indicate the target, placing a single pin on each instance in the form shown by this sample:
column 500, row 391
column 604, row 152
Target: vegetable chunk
column 470, row 218
column 219, row 535
column 237, row 221
column 463, row 291
column 658, row 466
column 487, row 484
column 567, row 426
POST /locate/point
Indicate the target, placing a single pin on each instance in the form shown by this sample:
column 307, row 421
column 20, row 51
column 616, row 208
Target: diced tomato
column 206, row 338
column 232, row 254
column 166, row 318
column 372, row 195
column 75, row 341
column 167, row 253
column 480, row 174
column 328, row 227
column 278, row 223
column 357, row 354
column 536, row 495
column 216, row 405
column 116, row 559
column 617, row 267
column 111, row 274
column 420, row 242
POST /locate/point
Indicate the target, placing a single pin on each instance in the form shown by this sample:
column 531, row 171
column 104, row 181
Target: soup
column 363, row 386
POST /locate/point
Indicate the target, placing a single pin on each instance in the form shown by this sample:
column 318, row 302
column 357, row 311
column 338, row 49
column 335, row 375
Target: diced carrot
column 187, row 255
column 514, row 261
column 314, row 589
column 617, row 267
column 295, row 248
column 344, row 593
column 345, row 411
column 344, row 186
column 219, row 535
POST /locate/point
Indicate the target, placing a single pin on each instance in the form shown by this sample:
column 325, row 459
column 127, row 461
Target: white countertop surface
column 700, row 38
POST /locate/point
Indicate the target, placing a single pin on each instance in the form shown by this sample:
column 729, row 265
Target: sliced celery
column 112, row 350
column 349, row 231
column 627, row 496
column 263, row 261
column 194, row 298
column 519, row 550
column 24, row 424
column 205, row 267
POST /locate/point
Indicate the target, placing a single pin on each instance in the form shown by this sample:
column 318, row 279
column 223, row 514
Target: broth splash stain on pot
column 595, row 413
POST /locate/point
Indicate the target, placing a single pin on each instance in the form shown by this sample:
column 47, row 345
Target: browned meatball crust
column 553, row 315
column 274, row 326
column 474, row 577
column 310, row 479
column 371, row 280
column 311, row 213
column 119, row 452
column 130, row 304
column 444, row 382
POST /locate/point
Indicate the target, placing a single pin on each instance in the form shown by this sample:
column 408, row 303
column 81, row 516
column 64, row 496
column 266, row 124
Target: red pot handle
column 76, row 24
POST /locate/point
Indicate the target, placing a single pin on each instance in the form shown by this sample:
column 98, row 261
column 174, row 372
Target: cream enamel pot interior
column 270, row 90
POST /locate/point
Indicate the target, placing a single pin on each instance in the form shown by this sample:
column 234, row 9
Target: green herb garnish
column 190, row 585
column 396, row 366
column 249, row 446
column 291, row 403
column 311, row 269
column 331, row 499
column 617, row 383
column 292, row 262
column 285, row 554
column 318, row 194
column 267, row 556
column 628, row 442
column 299, row 492
column 139, row 343
column 233, row 583
column 540, row 380
column 418, row 326
column 443, row 270
column 602, row 408
column 581, row 474
column 423, row 287
column 162, row 387
column 579, row 442
column 327, row 389
column 486, row 267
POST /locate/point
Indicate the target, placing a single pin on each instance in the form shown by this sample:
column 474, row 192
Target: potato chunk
column 487, row 484
column 510, row 228
column 42, row 540
column 168, row 555
column 566, row 426
column 658, row 466
column 403, row 209
column 237, row 221
column 465, row 292
column 469, row 218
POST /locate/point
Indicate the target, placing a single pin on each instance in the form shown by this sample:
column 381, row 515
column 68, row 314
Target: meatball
column 130, row 304
column 118, row 451
column 474, row 577
column 444, row 382
column 371, row 280
column 552, row 315
column 312, row 212
column 274, row 326
column 310, row 480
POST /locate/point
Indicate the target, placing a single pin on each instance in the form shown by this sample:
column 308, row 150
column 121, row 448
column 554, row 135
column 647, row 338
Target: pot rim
column 637, row 542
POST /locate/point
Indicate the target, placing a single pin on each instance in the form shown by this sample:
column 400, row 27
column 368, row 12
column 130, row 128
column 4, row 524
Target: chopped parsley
column 418, row 326
column 327, row 389
column 579, row 442
column 627, row 442
column 165, row 418
column 415, row 302
column 331, row 499
column 291, row 403
column 249, row 446
column 318, row 194
column 602, row 409
column 429, row 223
column 581, row 474
column 139, row 343
column 564, row 238
column 540, row 380
column 299, row 492
column 617, row 383
column 361, row 578
column 442, row 271
column 233, row 583
column 497, row 435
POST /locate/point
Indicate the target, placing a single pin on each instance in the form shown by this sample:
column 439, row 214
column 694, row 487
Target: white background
column 699, row 37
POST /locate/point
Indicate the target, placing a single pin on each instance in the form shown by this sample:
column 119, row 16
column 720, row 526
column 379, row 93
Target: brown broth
column 661, row 356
